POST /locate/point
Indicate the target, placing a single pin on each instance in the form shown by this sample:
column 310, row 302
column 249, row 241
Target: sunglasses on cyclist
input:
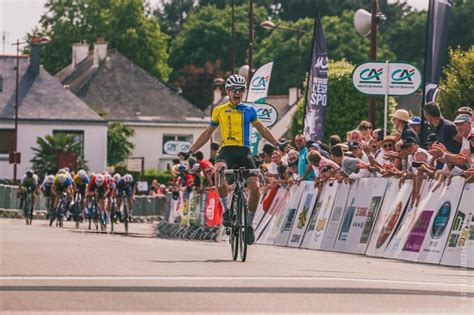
column 238, row 89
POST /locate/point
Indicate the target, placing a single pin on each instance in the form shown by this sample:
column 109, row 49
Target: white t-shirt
column 410, row 159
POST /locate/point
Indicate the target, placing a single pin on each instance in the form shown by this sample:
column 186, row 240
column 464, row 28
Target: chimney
column 35, row 59
column 100, row 51
column 80, row 51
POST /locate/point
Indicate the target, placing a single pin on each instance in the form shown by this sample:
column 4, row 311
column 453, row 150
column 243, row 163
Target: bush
column 346, row 106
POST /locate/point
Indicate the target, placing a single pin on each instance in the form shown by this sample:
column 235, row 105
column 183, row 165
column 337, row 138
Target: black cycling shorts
column 235, row 157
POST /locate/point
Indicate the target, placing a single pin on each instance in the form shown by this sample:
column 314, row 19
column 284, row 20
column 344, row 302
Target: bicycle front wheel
column 125, row 214
column 242, row 214
column 234, row 232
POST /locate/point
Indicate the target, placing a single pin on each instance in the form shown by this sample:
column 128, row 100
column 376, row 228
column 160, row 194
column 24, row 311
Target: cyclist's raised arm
column 201, row 140
column 265, row 132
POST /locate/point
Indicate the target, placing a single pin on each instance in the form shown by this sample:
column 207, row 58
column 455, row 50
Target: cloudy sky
column 17, row 17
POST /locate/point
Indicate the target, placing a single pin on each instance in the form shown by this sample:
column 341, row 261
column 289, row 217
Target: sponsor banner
column 202, row 209
column 346, row 223
column 303, row 216
column 187, row 196
column 377, row 78
column 174, row 147
column 362, row 231
column 401, row 232
column 258, row 88
column 213, row 209
column 259, row 213
column 317, row 92
column 278, row 218
column 440, row 225
column 289, row 219
column 272, row 197
column 312, row 221
column 436, row 45
column 462, row 231
column 317, row 227
column 343, row 194
column 390, row 214
column 264, row 229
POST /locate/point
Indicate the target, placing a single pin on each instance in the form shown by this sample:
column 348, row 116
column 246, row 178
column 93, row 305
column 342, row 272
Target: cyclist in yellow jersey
column 235, row 119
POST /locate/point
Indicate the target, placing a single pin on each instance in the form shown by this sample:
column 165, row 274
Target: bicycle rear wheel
column 125, row 214
column 242, row 226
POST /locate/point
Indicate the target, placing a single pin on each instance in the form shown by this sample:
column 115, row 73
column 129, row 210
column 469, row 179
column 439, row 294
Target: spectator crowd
column 415, row 149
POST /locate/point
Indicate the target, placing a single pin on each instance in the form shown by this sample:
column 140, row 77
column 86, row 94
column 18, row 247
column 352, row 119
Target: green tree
column 346, row 106
column 342, row 40
column 119, row 148
column 457, row 87
column 123, row 24
column 172, row 14
column 461, row 26
column 45, row 160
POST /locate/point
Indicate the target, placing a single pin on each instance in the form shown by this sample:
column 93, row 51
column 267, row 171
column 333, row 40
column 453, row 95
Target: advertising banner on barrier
column 276, row 198
column 455, row 253
column 213, row 209
column 440, row 225
column 391, row 212
column 276, row 209
column 342, row 240
column 314, row 235
column 344, row 193
column 282, row 238
column 419, row 226
column 303, row 216
column 363, row 224
column 274, row 227
column 259, row 213
column 401, row 233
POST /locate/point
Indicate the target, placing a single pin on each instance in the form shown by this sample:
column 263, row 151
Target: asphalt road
column 47, row 269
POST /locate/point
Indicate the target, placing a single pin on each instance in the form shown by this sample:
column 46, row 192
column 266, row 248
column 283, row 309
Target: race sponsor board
column 462, row 231
column 303, row 216
column 314, row 236
column 401, row 232
column 289, row 218
column 362, row 227
column 275, row 225
column 261, row 228
column 390, row 214
column 440, row 225
column 345, row 195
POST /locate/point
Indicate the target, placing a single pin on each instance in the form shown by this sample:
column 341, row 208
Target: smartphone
column 415, row 164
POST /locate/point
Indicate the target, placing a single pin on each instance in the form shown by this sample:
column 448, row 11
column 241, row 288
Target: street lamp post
column 373, row 56
column 250, row 48
column 269, row 25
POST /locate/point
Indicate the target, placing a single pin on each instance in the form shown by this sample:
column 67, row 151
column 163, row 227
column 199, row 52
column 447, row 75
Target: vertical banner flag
column 258, row 91
column 316, row 96
column 436, row 45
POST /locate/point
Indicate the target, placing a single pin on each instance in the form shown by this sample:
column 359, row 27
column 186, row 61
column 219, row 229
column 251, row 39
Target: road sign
column 379, row 78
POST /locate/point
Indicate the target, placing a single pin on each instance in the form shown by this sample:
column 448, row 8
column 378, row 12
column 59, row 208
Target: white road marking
column 229, row 278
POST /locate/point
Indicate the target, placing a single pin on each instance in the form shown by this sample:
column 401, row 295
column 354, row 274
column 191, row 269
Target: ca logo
column 403, row 75
column 371, row 75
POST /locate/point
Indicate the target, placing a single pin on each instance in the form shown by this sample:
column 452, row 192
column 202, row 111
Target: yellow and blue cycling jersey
column 67, row 183
column 235, row 123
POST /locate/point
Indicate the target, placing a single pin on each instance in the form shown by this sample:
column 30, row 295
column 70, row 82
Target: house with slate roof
column 164, row 121
column 45, row 108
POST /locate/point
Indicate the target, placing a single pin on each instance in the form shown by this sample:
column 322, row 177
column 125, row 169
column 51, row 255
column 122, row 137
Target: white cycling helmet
column 82, row 174
column 62, row 178
column 50, row 179
column 128, row 178
column 99, row 179
column 117, row 177
column 235, row 81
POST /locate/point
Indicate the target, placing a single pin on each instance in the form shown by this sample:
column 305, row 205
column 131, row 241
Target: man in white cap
column 400, row 120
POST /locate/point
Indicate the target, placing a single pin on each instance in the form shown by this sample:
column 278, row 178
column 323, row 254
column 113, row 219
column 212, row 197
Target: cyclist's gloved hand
column 184, row 155
column 282, row 145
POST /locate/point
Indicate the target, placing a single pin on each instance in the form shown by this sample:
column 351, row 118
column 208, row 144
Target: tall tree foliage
column 123, row 24
column 45, row 160
column 457, row 88
column 119, row 147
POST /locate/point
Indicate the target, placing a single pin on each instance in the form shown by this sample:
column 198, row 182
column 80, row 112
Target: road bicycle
column 97, row 215
column 239, row 226
column 59, row 212
column 125, row 199
column 113, row 212
column 76, row 209
column 28, row 205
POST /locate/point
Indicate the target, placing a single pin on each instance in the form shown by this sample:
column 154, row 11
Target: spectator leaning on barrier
column 277, row 170
column 463, row 159
column 467, row 111
column 324, row 167
column 358, row 153
column 400, row 120
column 292, row 169
column 214, row 149
column 204, row 166
column 444, row 129
column 300, row 144
column 350, row 167
column 356, row 136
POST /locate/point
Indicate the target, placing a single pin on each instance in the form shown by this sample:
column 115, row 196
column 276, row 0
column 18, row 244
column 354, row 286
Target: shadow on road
column 193, row 261
column 245, row 290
